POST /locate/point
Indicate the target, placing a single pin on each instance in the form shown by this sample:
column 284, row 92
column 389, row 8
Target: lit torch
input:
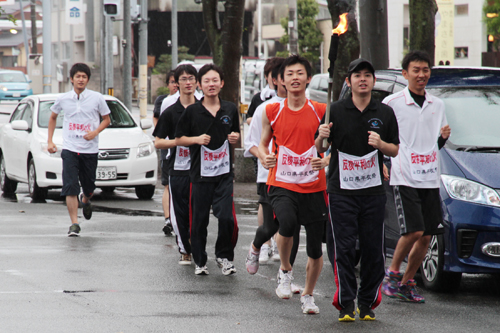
column 332, row 56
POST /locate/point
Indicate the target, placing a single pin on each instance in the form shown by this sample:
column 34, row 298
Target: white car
column 127, row 157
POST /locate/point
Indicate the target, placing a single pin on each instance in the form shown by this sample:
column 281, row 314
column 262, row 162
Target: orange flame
column 342, row 27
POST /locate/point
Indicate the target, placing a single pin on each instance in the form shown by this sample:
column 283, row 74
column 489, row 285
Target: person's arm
column 187, row 141
column 319, row 163
column 267, row 159
column 106, row 120
column 323, row 133
column 164, row 143
column 51, row 147
column 445, row 134
column 388, row 149
column 234, row 136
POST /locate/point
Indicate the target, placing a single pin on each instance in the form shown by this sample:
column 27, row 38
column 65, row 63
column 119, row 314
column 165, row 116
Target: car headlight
column 4, row 88
column 466, row 190
column 45, row 150
column 145, row 149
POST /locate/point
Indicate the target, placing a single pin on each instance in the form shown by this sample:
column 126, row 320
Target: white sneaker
column 265, row 254
column 226, row 265
column 295, row 288
column 308, row 305
column 201, row 270
column 276, row 252
column 284, row 284
column 252, row 261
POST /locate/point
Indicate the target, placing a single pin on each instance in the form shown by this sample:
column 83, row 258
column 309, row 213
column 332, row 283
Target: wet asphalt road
column 122, row 275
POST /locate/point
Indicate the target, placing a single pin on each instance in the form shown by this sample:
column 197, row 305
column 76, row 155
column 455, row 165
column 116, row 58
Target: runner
column 260, row 250
column 296, row 191
column 415, row 174
column 179, row 162
column 267, row 93
column 362, row 132
column 82, row 109
column 208, row 128
column 173, row 89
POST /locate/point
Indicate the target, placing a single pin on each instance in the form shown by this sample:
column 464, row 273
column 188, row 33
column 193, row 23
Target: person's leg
column 72, row 205
column 417, row 254
column 201, row 200
column 314, row 235
column 371, row 243
column 165, row 199
column 223, row 210
column 165, row 202
column 403, row 247
column 71, row 187
column 179, row 206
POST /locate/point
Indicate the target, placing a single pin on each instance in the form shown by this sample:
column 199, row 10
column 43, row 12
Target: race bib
column 215, row 162
column 294, row 168
column 424, row 167
column 182, row 158
column 357, row 173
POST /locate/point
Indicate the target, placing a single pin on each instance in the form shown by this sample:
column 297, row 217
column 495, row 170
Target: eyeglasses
column 172, row 82
column 187, row 79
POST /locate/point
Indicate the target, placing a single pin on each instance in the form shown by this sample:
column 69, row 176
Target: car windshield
column 473, row 115
column 12, row 77
column 120, row 118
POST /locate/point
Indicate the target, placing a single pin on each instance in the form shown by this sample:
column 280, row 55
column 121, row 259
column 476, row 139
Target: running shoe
column 185, row 259
column 284, row 284
column 408, row 292
column 347, row 314
column 295, row 288
column 252, row 261
column 390, row 285
column 201, row 270
column 365, row 312
column 74, row 230
column 226, row 265
column 265, row 253
column 308, row 305
column 168, row 229
column 86, row 208
column 276, row 252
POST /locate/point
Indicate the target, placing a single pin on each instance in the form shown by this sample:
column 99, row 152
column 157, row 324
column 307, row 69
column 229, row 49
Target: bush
column 162, row 91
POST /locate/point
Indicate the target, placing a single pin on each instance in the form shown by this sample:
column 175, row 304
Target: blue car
column 14, row 85
column 470, row 180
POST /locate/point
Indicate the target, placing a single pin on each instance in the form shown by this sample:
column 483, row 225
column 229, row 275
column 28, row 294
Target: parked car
column 127, row 157
column 318, row 88
column 470, row 185
column 14, row 85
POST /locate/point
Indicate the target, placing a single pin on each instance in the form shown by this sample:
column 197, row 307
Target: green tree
column 9, row 17
column 164, row 64
column 422, row 26
column 491, row 11
column 310, row 37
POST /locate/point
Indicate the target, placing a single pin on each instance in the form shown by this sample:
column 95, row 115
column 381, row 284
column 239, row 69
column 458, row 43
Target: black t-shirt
column 197, row 120
column 166, row 128
column 157, row 108
column 254, row 104
column 349, row 134
column 419, row 99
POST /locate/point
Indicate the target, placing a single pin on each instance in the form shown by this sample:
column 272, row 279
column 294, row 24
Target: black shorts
column 292, row 208
column 262, row 192
column 418, row 209
column 164, row 172
column 77, row 166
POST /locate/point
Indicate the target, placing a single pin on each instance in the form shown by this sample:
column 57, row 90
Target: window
column 28, row 115
column 461, row 10
column 461, row 52
column 18, row 112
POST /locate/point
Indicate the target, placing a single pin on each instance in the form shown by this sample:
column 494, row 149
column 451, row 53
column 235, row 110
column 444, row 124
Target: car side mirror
column 19, row 125
column 146, row 123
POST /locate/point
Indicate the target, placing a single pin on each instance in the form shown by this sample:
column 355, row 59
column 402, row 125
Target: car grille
column 465, row 242
column 114, row 154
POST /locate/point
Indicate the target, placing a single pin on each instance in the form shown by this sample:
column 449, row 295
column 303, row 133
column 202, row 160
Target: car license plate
column 105, row 173
column 16, row 94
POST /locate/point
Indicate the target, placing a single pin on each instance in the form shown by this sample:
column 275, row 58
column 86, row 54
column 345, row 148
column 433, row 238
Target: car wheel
column 36, row 192
column 433, row 275
column 108, row 189
column 8, row 186
column 145, row 192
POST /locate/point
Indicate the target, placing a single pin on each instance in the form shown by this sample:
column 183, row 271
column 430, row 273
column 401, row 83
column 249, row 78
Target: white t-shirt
column 419, row 130
column 81, row 115
column 170, row 100
column 252, row 138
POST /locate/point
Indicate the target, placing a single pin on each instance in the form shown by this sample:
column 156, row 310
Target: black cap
column 360, row 63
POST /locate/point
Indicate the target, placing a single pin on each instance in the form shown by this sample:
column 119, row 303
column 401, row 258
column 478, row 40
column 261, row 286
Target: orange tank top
column 295, row 130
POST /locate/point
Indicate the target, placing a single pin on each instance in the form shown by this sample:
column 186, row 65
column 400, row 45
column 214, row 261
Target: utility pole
column 175, row 45
column 292, row 26
column 47, row 43
column 259, row 28
column 109, row 57
column 143, row 59
column 25, row 34
column 34, row 46
column 127, row 56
